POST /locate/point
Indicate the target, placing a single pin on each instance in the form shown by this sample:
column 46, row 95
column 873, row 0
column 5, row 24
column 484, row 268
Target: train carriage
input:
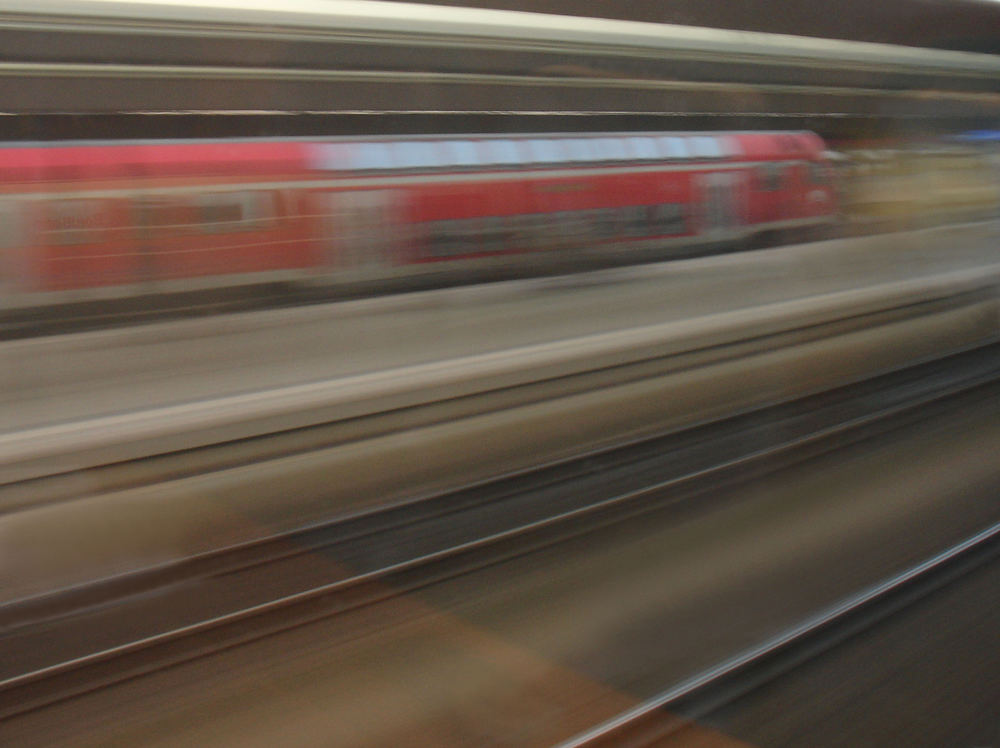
column 117, row 220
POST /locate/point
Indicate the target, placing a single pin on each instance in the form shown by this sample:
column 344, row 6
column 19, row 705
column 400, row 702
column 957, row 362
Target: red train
column 85, row 221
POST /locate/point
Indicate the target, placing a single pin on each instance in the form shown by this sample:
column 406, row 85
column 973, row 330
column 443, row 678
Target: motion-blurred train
column 114, row 220
column 133, row 220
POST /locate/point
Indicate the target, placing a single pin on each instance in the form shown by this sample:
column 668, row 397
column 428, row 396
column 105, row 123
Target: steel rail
column 634, row 502
column 831, row 616
column 929, row 396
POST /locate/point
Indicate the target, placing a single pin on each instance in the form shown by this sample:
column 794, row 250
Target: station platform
column 71, row 378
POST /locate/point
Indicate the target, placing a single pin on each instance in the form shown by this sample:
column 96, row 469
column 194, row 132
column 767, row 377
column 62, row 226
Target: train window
column 417, row 154
column 705, row 147
column 585, row 224
column 563, row 228
column 629, row 149
column 517, row 229
column 670, row 219
column 551, row 227
column 511, row 227
column 73, row 222
column 606, row 221
column 234, row 211
column 634, row 221
column 160, row 213
column 769, row 177
column 577, row 225
column 673, row 148
column 644, row 148
column 446, row 238
column 461, row 153
column 581, row 149
column 471, row 231
column 652, row 219
column 544, row 226
column 600, row 147
column 464, row 233
column 435, row 238
column 438, row 239
column 545, row 151
column 218, row 215
column 493, row 234
column 372, row 157
column 503, row 152
column 609, row 149
column 618, row 148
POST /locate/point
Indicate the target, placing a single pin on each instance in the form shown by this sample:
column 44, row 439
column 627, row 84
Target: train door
column 796, row 186
column 723, row 203
column 361, row 231
column 13, row 260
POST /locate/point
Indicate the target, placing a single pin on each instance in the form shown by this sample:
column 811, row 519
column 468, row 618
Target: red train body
column 111, row 220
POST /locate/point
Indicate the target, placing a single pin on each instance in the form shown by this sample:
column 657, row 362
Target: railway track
column 651, row 722
column 411, row 546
